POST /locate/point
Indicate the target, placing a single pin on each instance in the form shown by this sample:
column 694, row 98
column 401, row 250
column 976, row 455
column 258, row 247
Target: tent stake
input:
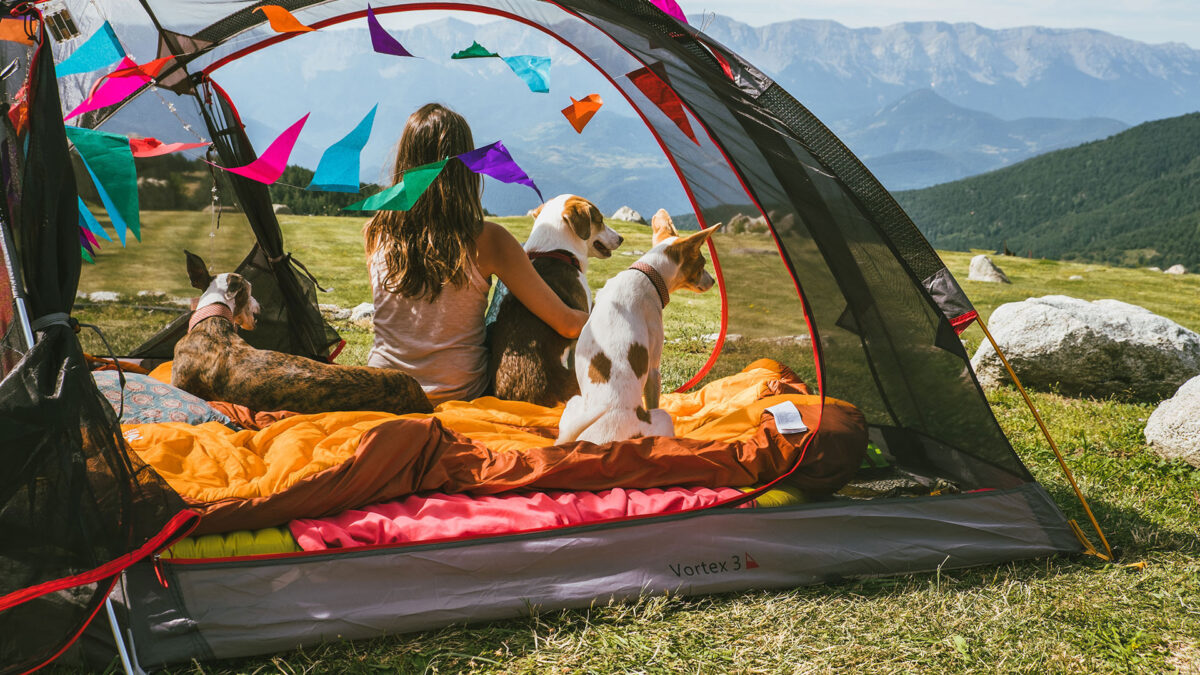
column 1053, row 446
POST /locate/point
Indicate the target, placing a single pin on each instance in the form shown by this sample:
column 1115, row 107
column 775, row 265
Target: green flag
column 110, row 162
column 402, row 195
column 475, row 51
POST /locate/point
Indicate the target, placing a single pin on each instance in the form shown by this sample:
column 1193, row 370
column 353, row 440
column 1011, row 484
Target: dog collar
column 655, row 278
column 557, row 255
column 208, row 311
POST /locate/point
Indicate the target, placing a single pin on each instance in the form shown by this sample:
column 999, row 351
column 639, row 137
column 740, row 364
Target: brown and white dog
column 213, row 362
column 529, row 361
column 618, row 355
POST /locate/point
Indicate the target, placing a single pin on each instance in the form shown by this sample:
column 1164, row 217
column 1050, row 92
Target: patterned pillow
column 148, row 400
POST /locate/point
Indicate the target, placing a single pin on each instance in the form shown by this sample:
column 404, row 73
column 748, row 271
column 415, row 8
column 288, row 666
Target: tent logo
column 734, row 563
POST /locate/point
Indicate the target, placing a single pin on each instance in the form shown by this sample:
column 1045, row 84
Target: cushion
column 149, row 400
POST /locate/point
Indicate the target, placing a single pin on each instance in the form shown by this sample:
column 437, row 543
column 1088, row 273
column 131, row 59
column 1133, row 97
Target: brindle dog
column 213, row 362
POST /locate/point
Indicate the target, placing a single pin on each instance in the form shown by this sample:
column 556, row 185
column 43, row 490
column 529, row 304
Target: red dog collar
column 557, row 255
column 656, row 279
column 208, row 311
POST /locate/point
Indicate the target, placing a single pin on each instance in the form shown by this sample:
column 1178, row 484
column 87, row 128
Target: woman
column 431, row 268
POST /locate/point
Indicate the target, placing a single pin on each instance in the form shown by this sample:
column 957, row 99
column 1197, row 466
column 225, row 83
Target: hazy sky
column 1151, row 21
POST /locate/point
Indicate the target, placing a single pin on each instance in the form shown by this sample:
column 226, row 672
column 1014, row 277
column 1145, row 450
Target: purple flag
column 381, row 40
column 494, row 160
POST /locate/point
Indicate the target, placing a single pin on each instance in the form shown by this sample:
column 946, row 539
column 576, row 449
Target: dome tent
column 848, row 272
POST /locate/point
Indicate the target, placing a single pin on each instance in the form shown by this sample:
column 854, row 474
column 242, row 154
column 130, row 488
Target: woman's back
column 441, row 343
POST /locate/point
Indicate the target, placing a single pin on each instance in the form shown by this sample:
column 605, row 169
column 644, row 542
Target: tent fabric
column 75, row 507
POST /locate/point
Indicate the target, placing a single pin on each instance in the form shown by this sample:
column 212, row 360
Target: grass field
column 1065, row 614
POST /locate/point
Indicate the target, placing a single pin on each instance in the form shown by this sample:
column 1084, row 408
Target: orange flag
column 282, row 20
column 13, row 30
column 148, row 69
column 580, row 112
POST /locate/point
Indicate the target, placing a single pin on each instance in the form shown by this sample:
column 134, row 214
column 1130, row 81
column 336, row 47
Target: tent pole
column 14, row 280
column 1053, row 446
column 116, row 631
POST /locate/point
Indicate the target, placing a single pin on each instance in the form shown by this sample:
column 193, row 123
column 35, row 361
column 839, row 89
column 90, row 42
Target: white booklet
column 787, row 418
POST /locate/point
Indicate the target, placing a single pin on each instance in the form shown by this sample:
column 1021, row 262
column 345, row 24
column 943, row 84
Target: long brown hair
column 431, row 244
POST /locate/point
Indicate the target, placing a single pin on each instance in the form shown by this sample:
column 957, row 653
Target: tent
column 857, row 299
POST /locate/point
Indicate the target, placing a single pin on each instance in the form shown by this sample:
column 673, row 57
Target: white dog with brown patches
column 618, row 354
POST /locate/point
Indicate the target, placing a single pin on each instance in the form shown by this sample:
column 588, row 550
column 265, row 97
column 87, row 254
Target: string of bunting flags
column 109, row 158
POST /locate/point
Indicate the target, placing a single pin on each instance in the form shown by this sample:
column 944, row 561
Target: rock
column 1075, row 277
column 103, row 296
column 1175, row 269
column 364, row 312
column 1173, row 430
column 1154, row 269
column 628, row 215
column 1101, row 348
column 983, row 269
column 335, row 312
column 151, row 295
column 281, row 209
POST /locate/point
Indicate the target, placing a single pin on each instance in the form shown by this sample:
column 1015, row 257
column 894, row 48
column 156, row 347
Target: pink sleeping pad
column 440, row 517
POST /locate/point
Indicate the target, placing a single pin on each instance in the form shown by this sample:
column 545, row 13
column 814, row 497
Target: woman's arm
column 499, row 253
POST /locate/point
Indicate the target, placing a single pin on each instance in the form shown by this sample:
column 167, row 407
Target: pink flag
column 112, row 90
column 152, row 147
column 671, row 8
column 270, row 165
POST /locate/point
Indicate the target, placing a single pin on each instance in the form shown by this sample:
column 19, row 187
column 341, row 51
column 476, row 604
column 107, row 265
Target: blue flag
column 100, row 50
column 86, row 219
column 535, row 70
column 338, row 169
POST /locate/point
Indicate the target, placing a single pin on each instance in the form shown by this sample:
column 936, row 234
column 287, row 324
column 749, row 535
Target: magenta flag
column 381, row 40
column 152, row 147
column 493, row 160
column 671, row 8
column 112, row 90
column 270, row 165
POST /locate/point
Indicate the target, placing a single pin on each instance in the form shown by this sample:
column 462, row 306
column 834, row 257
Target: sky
column 1152, row 21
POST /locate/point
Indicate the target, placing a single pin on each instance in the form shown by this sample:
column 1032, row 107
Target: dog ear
column 197, row 271
column 662, row 226
column 578, row 214
column 692, row 241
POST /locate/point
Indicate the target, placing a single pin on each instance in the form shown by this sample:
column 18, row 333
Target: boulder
column 281, row 209
column 1173, row 430
column 1154, row 269
column 364, row 312
column 1175, row 269
column 1075, row 277
column 983, row 269
column 103, row 296
column 1101, row 348
column 151, row 295
column 628, row 215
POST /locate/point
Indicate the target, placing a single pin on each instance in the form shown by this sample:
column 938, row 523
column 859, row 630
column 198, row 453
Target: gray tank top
column 441, row 343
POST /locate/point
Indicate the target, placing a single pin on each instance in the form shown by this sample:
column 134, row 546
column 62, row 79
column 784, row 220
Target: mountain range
column 1132, row 199
column 920, row 103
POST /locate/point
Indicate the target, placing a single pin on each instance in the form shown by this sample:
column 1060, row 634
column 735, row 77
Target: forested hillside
column 1131, row 199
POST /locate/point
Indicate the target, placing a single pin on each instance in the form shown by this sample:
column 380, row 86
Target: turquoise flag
column 110, row 162
column 100, row 50
column 402, row 195
column 535, row 70
column 338, row 169
column 86, row 219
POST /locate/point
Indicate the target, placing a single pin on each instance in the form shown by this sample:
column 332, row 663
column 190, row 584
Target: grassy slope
column 1061, row 615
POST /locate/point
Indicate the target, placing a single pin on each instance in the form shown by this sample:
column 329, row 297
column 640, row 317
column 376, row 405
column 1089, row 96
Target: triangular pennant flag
column 495, row 161
column 88, row 239
column 84, row 254
column 100, row 51
column 338, row 169
column 270, row 165
column 152, row 147
column 381, row 40
column 535, row 70
column 751, row 563
column 88, row 221
column 110, row 162
column 475, row 51
column 149, row 69
column 111, row 90
column 654, row 85
column 580, row 112
column 670, row 8
column 402, row 195
column 282, row 21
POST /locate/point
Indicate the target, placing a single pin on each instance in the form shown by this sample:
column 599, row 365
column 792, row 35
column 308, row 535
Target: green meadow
column 1065, row 614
